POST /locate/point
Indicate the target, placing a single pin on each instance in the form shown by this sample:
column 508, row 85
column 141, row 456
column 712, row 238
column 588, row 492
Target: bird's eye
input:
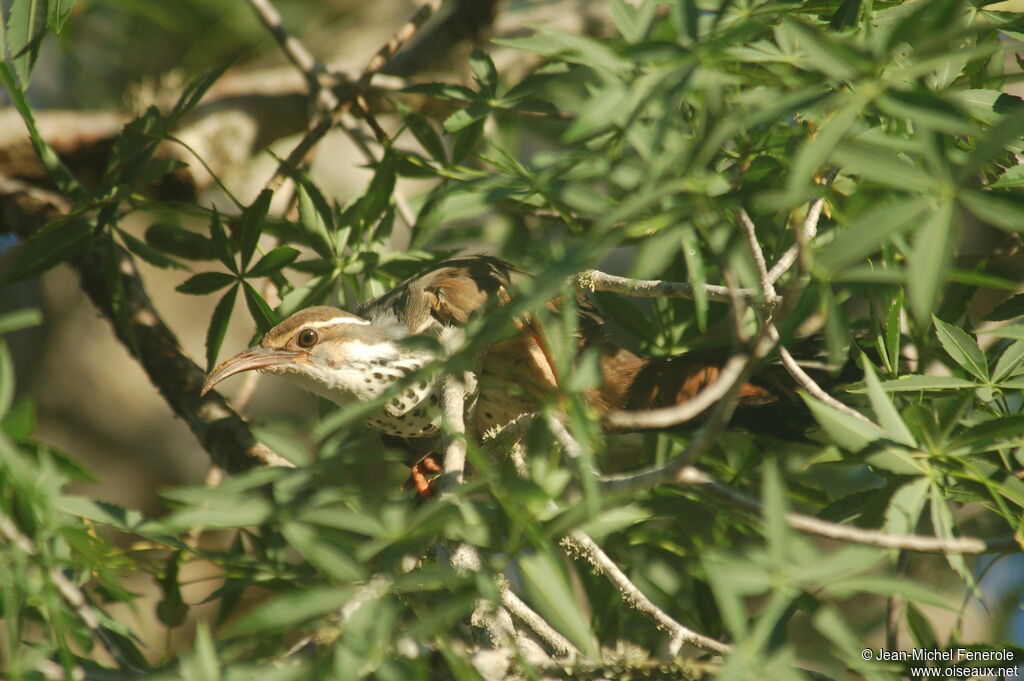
column 307, row 338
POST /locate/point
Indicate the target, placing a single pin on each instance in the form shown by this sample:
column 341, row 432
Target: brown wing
column 450, row 293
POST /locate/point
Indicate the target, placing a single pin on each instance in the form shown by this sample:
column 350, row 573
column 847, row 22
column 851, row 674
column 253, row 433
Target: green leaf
column 147, row 253
column 1011, row 308
column 1013, row 331
column 204, row 660
column 483, row 69
column 884, row 167
column 926, row 110
column 264, row 317
column 868, row 233
column 695, row 274
column 904, row 511
column 892, row 423
column 945, row 527
column 989, row 433
column 195, row 90
column 920, row 628
column 933, row 249
column 425, row 134
column 1012, row 178
column 893, row 335
column 776, row 530
column 15, row 320
column 378, row 195
column 205, row 282
column 26, row 27
column 835, row 60
column 273, row 261
column 57, row 12
column 846, row 15
column 924, row 383
column 250, row 223
column 887, row 585
column 55, row 168
column 1000, row 208
column 54, row 244
column 284, row 612
column 219, row 326
column 962, row 348
column 446, row 91
column 849, row 433
column 219, row 511
column 1009, row 363
column 552, row 597
column 6, row 379
column 328, row 558
column 633, row 23
column 221, row 245
column 466, row 140
column 316, row 218
column 180, row 242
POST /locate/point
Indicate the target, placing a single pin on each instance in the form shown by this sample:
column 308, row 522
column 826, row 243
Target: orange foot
column 418, row 476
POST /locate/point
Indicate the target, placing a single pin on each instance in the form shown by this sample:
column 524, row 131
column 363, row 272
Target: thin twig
column 808, row 229
column 692, row 476
column 809, row 384
column 296, row 52
column 588, row 548
column 664, row 417
column 794, row 369
column 767, row 288
column 324, row 119
column 515, row 605
column 595, row 280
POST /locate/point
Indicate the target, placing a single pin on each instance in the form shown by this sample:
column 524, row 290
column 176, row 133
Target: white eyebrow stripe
column 332, row 322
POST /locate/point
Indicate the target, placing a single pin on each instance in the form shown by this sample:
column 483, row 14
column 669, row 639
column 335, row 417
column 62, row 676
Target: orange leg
column 418, row 476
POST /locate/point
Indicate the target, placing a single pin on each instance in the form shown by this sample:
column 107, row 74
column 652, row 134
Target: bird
column 358, row 356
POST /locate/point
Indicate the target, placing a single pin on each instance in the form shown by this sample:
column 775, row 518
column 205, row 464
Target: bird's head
column 325, row 350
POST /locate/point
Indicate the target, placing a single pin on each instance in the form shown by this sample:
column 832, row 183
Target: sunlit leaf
column 962, row 348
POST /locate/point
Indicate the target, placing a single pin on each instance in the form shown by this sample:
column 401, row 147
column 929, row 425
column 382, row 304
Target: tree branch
column 222, row 433
column 583, row 545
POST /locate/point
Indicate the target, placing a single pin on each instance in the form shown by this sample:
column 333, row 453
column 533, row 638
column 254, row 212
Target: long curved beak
column 254, row 358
